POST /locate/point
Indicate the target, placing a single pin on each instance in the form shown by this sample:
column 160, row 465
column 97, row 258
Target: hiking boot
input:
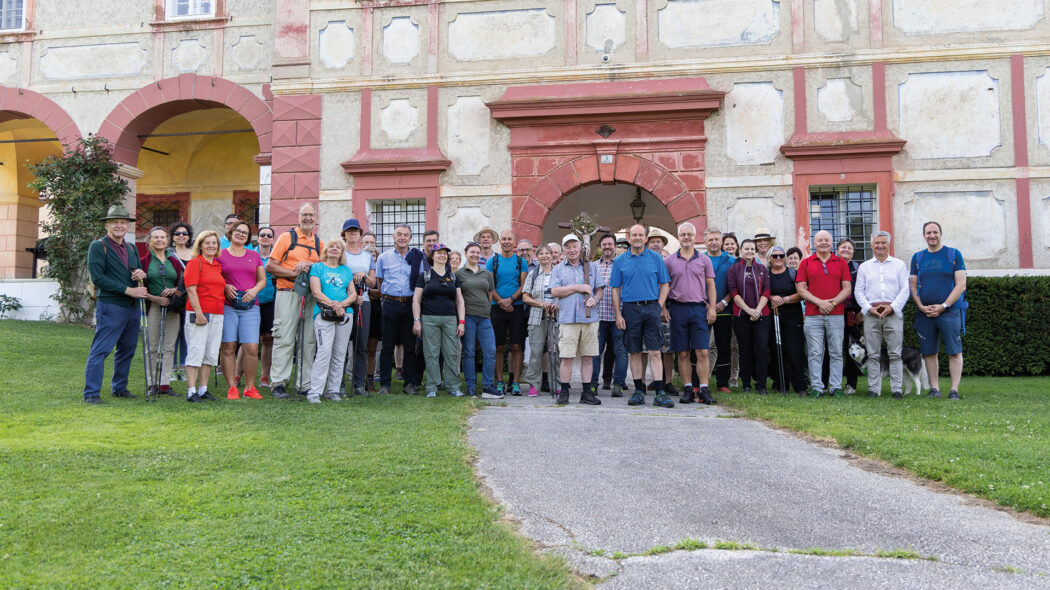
column 898, row 395
column 125, row 394
column 670, row 390
column 399, row 374
column 515, row 389
column 206, row 396
column 814, row 392
column 588, row 396
column 637, row 399
column 762, row 392
column 278, row 392
column 705, row 397
column 836, row 393
column 606, row 385
column 687, row 395
column 93, row 400
column 617, row 390
column 934, row 393
column 232, row 393
column 545, row 385
column 167, row 390
column 252, row 393
column 384, row 390
column 663, row 401
column 362, row 392
column 533, row 392
column 563, row 397
column 952, row 394
column 489, row 393
column 193, row 398
column 410, row 389
column 370, row 383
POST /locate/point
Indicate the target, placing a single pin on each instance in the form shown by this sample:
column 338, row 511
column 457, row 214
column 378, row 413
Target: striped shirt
column 605, row 306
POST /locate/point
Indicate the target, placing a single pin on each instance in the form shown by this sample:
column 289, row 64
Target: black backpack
column 295, row 244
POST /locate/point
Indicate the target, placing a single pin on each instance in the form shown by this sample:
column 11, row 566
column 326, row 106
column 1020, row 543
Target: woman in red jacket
column 162, row 279
column 748, row 284
column 206, row 294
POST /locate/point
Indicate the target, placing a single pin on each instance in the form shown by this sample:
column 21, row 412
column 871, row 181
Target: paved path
column 615, row 478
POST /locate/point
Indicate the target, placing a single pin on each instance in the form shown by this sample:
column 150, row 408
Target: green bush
column 1007, row 327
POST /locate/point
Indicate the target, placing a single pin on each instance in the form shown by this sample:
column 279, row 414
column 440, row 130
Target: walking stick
column 159, row 373
column 144, row 329
column 300, row 336
column 553, row 365
column 780, row 349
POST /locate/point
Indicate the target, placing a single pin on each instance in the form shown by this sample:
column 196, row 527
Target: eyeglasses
column 181, row 233
column 777, row 256
column 240, row 232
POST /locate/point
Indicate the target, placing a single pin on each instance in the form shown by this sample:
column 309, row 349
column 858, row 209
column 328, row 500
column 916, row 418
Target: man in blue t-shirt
column 723, row 328
column 640, row 284
column 938, row 285
column 508, row 313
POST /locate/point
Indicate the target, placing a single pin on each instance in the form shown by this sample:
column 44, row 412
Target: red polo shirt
column 211, row 287
column 824, row 280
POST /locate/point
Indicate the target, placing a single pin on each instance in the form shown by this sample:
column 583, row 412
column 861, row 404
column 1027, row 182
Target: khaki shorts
column 577, row 340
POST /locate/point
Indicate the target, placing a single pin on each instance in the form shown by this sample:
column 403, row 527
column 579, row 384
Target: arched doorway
column 610, row 206
column 32, row 127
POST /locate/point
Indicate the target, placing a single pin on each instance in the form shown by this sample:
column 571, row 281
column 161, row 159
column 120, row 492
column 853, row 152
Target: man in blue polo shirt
column 509, row 271
column 639, row 282
column 723, row 328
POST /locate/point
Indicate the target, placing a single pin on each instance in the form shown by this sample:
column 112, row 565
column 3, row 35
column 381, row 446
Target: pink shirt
column 689, row 277
column 240, row 271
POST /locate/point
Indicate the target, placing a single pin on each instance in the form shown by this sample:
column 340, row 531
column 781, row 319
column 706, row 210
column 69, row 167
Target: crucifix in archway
column 584, row 227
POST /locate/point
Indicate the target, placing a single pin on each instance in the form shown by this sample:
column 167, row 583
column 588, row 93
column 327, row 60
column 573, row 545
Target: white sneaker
column 432, row 394
column 849, row 390
column 313, row 398
column 456, row 393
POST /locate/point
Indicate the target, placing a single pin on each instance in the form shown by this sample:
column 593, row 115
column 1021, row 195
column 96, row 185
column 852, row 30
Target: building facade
column 849, row 115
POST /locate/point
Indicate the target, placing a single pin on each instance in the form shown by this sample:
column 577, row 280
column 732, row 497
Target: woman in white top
column 362, row 264
column 537, row 295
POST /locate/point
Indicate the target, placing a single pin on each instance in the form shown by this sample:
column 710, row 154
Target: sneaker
column 456, row 393
column 500, row 387
column 848, row 390
column 93, row 400
column 814, row 392
column 432, row 394
column 384, row 390
column 206, row 396
column 606, row 385
column 313, row 398
column 278, row 392
column 651, row 386
column 934, row 393
column 264, row 381
column 705, row 397
column 724, row 390
column 471, row 393
column 533, row 392
column 335, row 397
column 563, row 397
column 733, row 382
column 489, row 393
column 232, row 393
column 182, row 374
column 125, row 394
column 663, row 401
column 410, row 389
column 399, row 375
column 952, row 394
column 617, row 390
column 687, row 395
column 362, row 392
column 670, row 390
column 252, row 393
column 515, row 389
column 898, row 395
column 637, row 399
column 193, row 398
column 836, row 393
column 761, row 392
column 167, row 390
column 218, row 369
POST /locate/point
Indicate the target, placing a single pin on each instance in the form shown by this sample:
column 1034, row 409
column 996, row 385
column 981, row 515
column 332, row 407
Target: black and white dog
column 915, row 376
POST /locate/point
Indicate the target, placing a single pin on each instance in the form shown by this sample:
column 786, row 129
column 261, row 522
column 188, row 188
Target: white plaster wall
column 1037, row 107
column 247, row 51
column 401, row 40
column 188, row 55
column 988, row 243
column 754, row 128
column 717, row 158
column 746, row 210
column 603, row 23
column 340, row 137
column 1040, row 207
column 9, row 67
column 839, row 99
column 713, row 23
column 335, row 43
column 503, row 34
column 115, row 16
column 606, row 28
column 469, row 135
column 334, row 207
column 35, row 296
column 950, row 114
column 209, row 213
column 108, row 59
column 399, row 119
column 835, row 20
column 926, row 17
column 89, row 109
column 1042, row 113
column 461, row 217
column 459, row 128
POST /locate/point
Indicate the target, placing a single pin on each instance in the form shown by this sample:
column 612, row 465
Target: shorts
column 266, row 317
column 202, row 342
column 643, row 327
column 375, row 327
column 948, row 325
column 577, row 340
column 689, row 327
column 241, row 326
column 514, row 320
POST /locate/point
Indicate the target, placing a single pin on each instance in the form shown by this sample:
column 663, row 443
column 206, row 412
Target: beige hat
column 486, row 229
column 654, row 234
column 762, row 233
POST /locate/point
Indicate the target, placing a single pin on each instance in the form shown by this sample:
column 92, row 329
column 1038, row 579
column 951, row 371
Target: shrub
column 9, row 303
column 1007, row 327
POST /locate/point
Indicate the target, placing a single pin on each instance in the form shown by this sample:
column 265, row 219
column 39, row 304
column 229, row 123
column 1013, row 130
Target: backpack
column 962, row 303
column 295, row 244
column 517, row 261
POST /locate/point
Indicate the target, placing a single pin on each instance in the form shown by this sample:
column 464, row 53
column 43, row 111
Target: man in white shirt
column 882, row 292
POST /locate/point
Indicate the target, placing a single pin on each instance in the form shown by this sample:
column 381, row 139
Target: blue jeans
column 608, row 333
column 821, row 330
column 114, row 326
column 479, row 328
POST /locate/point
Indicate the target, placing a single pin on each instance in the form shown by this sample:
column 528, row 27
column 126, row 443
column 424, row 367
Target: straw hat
column 763, row 233
column 486, row 229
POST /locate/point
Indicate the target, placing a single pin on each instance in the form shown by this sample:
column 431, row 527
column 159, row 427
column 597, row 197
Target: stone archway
column 649, row 134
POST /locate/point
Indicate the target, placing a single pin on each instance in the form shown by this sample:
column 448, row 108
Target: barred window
column 846, row 212
column 246, row 206
column 177, row 9
column 384, row 216
column 11, row 14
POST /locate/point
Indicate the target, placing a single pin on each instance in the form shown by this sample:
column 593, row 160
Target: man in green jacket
column 115, row 271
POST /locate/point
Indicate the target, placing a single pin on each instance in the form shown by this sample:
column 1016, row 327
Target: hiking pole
column 553, row 366
column 144, row 328
column 301, row 344
column 780, row 349
column 159, row 374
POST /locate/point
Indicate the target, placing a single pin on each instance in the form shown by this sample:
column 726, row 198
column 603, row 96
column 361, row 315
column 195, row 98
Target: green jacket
column 109, row 274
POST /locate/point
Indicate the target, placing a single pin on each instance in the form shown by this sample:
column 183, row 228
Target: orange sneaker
column 232, row 393
column 252, row 393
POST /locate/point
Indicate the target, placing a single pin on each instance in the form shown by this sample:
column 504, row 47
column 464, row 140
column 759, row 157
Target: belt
column 704, row 303
column 396, row 298
column 285, row 289
column 649, row 302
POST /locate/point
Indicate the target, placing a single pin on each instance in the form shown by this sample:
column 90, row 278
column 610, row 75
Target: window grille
column 846, row 212
column 385, row 215
column 190, row 8
column 159, row 210
column 246, row 206
column 11, row 13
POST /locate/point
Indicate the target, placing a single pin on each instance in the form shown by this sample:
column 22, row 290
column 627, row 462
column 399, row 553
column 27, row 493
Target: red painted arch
column 20, row 103
column 143, row 110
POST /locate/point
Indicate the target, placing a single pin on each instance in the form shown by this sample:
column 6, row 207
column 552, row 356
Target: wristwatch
column 946, row 305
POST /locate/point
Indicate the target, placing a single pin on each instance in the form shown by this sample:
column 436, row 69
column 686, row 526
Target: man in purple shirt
column 692, row 288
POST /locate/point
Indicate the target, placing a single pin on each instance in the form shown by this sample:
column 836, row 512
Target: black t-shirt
column 783, row 285
column 439, row 295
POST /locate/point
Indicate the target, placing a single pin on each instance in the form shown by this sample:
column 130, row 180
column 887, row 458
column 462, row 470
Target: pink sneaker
column 532, row 391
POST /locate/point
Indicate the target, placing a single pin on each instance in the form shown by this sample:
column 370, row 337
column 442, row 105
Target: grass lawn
column 374, row 493
column 994, row 442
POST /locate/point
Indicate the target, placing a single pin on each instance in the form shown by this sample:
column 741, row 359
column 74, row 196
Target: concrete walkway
column 586, row 482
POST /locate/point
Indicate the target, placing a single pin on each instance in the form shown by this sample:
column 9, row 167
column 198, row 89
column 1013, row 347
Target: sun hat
column 118, row 212
column 569, row 238
column 486, row 229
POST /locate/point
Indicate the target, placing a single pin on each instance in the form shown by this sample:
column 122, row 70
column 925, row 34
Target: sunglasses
column 181, row 233
column 265, row 235
column 777, row 256
column 469, row 244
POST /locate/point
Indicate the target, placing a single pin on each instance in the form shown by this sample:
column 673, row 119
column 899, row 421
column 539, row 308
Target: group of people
column 330, row 307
